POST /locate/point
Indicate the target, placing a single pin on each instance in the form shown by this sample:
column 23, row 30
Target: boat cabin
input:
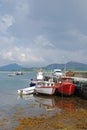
column 67, row 79
column 57, row 72
column 45, row 84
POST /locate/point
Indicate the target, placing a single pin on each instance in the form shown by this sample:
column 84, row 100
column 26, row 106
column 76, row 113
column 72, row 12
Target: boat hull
column 45, row 90
column 66, row 88
column 26, row 91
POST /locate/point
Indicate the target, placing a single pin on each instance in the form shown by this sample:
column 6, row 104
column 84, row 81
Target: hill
column 11, row 67
column 68, row 66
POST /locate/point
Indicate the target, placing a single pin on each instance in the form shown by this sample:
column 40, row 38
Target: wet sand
column 62, row 114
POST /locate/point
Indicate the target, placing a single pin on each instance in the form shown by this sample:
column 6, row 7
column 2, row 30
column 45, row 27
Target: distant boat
column 66, row 86
column 15, row 73
column 45, row 87
column 12, row 74
column 19, row 73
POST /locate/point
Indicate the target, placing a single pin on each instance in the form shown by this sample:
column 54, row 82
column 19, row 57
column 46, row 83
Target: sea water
column 12, row 105
column 10, row 84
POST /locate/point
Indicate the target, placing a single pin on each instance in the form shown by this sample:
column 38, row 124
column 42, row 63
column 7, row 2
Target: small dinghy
column 27, row 90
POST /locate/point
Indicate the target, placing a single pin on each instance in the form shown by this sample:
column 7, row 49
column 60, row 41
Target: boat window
column 39, row 83
column 43, row 84
column 52, row 84
column 67, row 80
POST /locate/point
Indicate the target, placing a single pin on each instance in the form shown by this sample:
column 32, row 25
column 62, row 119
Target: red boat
column 66, row 86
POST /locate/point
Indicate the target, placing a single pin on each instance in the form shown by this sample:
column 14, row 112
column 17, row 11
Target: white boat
column 19, row 73
column 45, row 87
column 40, row 75
column 15, row 73
column 58, row 72
column 12, row 74
column 28, row 90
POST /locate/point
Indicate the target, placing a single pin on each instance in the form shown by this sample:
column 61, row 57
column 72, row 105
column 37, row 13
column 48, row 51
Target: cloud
column 22, row 10
column 6, row 21
column 42, row 41
column 20, row 55
column 76, row 37
column 6, row 40
column 39, row 32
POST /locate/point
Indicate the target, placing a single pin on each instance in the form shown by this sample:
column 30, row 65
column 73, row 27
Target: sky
column 42, row 32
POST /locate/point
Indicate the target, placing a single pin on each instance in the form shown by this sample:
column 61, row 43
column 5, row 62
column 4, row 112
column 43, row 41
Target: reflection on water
column 51, row 103
column 39, row 105
column 25, row 97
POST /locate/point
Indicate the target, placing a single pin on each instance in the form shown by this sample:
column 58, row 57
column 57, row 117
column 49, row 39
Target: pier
column 79, row 79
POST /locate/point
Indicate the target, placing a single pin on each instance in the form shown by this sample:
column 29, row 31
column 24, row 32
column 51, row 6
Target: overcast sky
column 41, row 32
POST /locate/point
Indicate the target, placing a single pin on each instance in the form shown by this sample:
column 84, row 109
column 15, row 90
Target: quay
column 81, row 87
column 80, row 79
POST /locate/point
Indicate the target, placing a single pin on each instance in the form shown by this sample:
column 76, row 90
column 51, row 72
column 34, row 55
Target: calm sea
column 10, row 84
column 11, row 104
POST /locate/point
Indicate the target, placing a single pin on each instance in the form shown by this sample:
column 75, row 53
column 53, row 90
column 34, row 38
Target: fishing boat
column 19, row 73
column 40, row 75
column 58, row 72
column 66, row 86
column 27, row 90
column 45, row 87
column 12, row 74
column 15, row 73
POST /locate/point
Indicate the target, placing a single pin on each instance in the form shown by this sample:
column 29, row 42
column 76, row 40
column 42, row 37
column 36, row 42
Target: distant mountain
column 69, row 66
column 11, row 67
column 54, row 66
column 76, row 66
